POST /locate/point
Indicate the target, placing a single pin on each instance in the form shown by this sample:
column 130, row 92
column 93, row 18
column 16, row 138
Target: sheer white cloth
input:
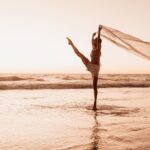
column 128, row 42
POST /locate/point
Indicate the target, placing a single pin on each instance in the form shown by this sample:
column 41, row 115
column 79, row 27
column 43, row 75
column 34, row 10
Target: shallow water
column 64, row 120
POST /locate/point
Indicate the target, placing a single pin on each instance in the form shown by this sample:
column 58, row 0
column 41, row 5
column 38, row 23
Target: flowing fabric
column 128, row 42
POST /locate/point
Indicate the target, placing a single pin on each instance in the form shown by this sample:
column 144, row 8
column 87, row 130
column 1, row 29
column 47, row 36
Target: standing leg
column 95, row 80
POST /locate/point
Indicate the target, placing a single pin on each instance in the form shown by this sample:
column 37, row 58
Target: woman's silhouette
column 92, row 65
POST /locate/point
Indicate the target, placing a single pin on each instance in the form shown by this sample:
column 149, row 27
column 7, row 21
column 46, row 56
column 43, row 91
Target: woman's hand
column 94, row 34
column 69, row 41
column 100, row 27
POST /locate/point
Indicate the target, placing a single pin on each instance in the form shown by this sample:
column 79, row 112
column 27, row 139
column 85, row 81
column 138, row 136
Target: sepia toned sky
column 33, row 34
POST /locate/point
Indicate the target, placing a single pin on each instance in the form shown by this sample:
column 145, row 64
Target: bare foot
column 69, row 41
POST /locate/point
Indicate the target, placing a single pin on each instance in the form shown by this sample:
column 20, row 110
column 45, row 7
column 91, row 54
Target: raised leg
column 78, row 53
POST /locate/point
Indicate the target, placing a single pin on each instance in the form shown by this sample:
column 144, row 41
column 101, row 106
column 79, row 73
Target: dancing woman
column 92, row 65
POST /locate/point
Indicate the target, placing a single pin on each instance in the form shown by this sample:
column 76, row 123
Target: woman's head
column 94, row 42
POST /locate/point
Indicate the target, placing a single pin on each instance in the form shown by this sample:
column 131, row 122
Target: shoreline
column 68, row 86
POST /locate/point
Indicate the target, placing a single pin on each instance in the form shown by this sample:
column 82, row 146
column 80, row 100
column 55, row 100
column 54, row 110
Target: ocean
column 71, row 81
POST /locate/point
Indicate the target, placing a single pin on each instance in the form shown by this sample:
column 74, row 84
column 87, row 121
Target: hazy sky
column 33, row 34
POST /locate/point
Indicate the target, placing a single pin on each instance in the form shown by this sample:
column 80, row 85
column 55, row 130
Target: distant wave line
column 70, row 86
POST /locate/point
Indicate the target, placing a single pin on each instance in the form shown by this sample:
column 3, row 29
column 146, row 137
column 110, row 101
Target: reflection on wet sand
column 95, row 137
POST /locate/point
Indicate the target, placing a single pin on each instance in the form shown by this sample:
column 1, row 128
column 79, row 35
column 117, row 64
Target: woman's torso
column 95, row 56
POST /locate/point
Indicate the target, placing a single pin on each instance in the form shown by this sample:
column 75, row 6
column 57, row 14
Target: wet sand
column 64, row 120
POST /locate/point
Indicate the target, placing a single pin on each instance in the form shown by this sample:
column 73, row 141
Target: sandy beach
column 62, row 119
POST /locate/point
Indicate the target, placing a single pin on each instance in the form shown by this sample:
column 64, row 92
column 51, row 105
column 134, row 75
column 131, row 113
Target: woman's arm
column 92, row 40
column 98, row 38
column 93, row 35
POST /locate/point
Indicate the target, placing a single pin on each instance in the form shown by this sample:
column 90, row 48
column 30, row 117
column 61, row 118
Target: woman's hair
column 95, row 40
